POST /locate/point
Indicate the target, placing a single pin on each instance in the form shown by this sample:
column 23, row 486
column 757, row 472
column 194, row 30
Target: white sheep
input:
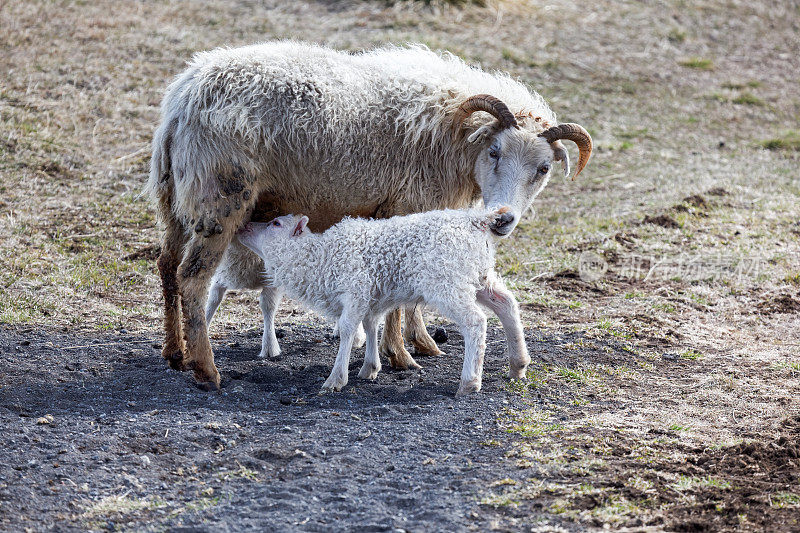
column 289, row 127
column 241, row 269
column 360, row 269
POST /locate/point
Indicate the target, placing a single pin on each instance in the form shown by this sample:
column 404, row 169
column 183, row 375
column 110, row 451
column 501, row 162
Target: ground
column 660, row 290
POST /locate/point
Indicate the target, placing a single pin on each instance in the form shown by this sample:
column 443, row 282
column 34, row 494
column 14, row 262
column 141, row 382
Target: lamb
column 287, row 127
column 241, row 269
column 360, row 269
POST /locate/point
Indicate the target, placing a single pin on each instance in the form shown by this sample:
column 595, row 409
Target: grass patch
column 789, row 141
column 118, row 505
column 699, row 63
column 676, row 35
column 782, row 500
column 691, row 355
column 747, row 98
column 690, row 483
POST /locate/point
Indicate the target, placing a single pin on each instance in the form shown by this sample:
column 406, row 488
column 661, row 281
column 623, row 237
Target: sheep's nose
column 504, row 223
column 247, row 228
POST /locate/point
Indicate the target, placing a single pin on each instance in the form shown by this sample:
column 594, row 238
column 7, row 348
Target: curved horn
column 488, row 103
column 575, row 133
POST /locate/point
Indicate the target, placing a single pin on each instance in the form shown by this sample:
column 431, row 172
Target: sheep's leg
column 348, row 324
column 505, row 306
column 392, row 343
column 416, row 333
column 472, row 322
column 269, row 300
column 203, row 254
column 372, row 363
column 215, row 296
column 168, row 261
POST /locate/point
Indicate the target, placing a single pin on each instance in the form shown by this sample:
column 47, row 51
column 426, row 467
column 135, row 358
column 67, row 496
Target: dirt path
column 99, row 435
column 105, row 437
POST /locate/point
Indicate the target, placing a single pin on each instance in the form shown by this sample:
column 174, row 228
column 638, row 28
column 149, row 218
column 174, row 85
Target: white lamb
column 359, row 269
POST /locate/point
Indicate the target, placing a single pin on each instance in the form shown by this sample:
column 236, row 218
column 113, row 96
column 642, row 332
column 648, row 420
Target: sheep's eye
column 276, row 223
column 544, row 169
column 494, row 154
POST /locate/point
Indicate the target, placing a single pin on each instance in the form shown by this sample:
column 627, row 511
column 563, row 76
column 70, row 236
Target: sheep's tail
column 160, row 185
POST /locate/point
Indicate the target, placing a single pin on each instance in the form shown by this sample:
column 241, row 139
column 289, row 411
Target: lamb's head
column 517, row 156
column 261, row 236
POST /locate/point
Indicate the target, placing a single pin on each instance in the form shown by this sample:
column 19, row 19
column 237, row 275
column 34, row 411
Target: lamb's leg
column 269, row 300
column 168, row 261
column 392, row 343
column 359, row 339
column 505, row 306
column 372, row 363
column 416, row 333
column 348, row 323
column 472, row 322
column 215, row 296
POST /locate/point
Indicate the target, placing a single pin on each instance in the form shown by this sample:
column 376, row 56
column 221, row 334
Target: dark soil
column 90, row 420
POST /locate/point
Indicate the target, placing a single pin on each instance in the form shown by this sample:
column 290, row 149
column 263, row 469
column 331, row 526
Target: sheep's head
column 259, row 235
column 515, row 160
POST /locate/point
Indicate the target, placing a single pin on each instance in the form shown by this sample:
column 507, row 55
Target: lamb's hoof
column 332, row 385
column 270, row 356
column 369, row 372
column 518, row 373
column 468, row 388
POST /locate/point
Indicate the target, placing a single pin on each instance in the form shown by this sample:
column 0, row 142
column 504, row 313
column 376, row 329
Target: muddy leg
column 168, row 261
column 392, row 343
column 200, row 260
column 416, row 333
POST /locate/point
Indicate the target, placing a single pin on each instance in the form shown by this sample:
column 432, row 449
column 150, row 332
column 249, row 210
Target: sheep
column 241, row 269
column 359, row 269
column 287, row 127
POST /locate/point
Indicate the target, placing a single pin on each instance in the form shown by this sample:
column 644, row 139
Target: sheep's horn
column 575, row 133
column 488, row 103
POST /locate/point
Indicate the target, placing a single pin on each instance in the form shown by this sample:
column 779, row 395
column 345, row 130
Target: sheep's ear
column 560, row 154
column 480, row 135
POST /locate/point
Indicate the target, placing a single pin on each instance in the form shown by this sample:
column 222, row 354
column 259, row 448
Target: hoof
column 368, row 372
column 207, row 381
column 424, row 345
column 403, row 363
column 518, row 373
column 334, row 383
column 207, row 386
column 174, row 359
column 468, row 388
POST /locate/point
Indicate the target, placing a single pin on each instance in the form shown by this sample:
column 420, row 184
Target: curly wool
column 374, row 123
column 436, row 257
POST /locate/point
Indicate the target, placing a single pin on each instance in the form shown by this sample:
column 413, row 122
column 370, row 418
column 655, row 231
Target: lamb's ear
column 480, row 135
